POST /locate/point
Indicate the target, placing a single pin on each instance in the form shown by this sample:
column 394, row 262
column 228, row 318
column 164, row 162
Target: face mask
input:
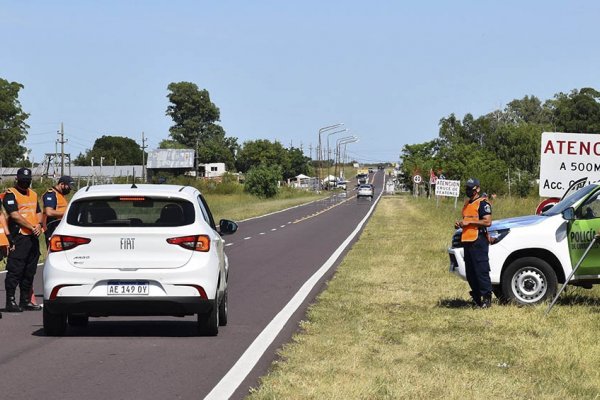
column 24, row 185
column 66, row 191
column 470, row 192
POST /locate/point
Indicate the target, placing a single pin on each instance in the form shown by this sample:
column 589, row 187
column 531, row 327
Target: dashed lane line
column 323, row 210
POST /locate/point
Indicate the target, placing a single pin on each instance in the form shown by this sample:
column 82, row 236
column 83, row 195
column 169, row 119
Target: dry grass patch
column 395, row 324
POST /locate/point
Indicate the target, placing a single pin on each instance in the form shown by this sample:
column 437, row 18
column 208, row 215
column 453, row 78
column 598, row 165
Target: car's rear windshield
column 140, row 211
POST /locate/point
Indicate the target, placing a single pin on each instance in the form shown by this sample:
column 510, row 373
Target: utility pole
column 62, row 142
column 101, row 177
column 144, row 145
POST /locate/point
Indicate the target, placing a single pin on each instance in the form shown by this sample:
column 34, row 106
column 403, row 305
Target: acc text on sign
column 566, row 158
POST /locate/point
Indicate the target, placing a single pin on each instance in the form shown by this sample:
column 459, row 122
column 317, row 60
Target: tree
column 170, row 144
column 262, row 180
column 299, row 164
column 195, row 117
column 119, row 149
column 13, row 128
column 577, row 112
column 262, row 151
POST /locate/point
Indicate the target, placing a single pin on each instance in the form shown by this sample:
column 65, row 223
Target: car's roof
column 366, row 186
column 131, row 190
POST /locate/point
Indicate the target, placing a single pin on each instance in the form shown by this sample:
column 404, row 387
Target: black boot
column 26, row 304
column 487, row 301
column 475, row 300
column 11, row 304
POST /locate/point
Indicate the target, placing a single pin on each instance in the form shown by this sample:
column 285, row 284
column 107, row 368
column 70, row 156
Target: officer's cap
column 472, row 182
column 24, row 174
column 66, row 179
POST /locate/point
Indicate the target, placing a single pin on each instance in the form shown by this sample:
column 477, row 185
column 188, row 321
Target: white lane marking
column 248, row 237
column 282, row 226
column 228, row 244
column 234, row 377
column 274, row 229
column 262, row 233
column 289, row 222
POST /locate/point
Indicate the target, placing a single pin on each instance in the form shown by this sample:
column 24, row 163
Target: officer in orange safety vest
column 476, row 218
column 4, row 241
column 55, row 205
column 24, row 224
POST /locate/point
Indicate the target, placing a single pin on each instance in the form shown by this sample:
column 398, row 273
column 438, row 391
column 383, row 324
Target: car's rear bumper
column 127, row 306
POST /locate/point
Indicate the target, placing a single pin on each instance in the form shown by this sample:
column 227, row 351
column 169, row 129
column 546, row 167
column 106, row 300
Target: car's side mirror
column 227, row 227
column 569, row 214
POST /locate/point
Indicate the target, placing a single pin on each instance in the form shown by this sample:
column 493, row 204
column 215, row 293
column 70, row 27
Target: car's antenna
column 133, row 184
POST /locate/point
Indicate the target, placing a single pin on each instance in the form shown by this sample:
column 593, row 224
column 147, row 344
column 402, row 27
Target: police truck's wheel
column 223, row 310
column 529, row 280
column 208, row 323
column 54, row 324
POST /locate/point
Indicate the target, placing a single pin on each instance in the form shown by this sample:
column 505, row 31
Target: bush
column 262, row 181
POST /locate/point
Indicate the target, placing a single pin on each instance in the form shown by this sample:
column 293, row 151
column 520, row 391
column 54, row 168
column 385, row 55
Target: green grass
column 394, row 324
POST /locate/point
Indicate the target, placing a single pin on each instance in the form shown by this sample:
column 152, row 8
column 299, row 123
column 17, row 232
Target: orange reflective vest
column 3, row 225
column 27, row 208
column 470, row 212
column 61, row 205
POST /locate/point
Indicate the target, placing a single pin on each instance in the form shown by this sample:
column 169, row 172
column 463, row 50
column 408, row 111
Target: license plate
column 128, row 288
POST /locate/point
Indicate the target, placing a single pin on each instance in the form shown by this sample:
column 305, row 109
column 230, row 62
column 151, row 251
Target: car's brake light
column 55, row 290
column 195, row 242
column 61, row 242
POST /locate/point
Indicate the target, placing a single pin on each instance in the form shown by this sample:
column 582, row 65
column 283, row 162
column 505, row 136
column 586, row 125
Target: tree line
column 502, row 148
column 195, row 126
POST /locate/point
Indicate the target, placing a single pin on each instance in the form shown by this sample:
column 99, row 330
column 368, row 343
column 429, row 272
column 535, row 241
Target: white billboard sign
column 566, row 158
column 448, row 188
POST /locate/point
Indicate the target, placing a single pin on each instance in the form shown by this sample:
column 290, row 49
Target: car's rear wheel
column 208, row 323
column 77, row 319
column 223, row 309
column 54, row 324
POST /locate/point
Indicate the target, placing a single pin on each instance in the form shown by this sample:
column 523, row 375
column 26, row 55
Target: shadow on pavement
column 128, row 328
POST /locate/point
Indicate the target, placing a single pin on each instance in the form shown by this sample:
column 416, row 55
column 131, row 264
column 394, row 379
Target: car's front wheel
column 529, row 280
column 208, row 323
column 54, row 324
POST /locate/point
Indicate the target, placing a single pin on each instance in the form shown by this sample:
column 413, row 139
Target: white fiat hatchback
column 144, row 250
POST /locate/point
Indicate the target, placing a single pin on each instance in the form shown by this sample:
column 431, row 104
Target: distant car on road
column 342, row 185
column 136, row 251
column 365, row 191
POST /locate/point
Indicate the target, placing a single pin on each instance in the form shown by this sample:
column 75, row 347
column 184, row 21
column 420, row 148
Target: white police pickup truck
column 530, row 255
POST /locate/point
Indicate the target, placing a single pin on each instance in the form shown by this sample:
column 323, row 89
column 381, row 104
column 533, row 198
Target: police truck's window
column 131, row 211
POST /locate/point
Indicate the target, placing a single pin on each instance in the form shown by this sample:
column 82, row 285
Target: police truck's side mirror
column 569, row 214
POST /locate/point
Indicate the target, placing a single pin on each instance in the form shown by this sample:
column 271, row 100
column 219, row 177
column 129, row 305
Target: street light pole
column 321, row 130
column 339, row 142
column 328, row 151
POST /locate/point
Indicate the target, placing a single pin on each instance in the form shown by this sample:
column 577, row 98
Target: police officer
column 55, row 205
column 21, row 204
column 476, row 217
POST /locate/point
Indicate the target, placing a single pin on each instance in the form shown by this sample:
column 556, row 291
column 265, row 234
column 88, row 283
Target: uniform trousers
column 477, row 265
column 21, row 265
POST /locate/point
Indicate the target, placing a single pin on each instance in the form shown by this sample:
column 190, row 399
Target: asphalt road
column 271, row 259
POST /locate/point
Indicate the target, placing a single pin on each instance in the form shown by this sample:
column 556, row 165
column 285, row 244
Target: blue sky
column 281, row 70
